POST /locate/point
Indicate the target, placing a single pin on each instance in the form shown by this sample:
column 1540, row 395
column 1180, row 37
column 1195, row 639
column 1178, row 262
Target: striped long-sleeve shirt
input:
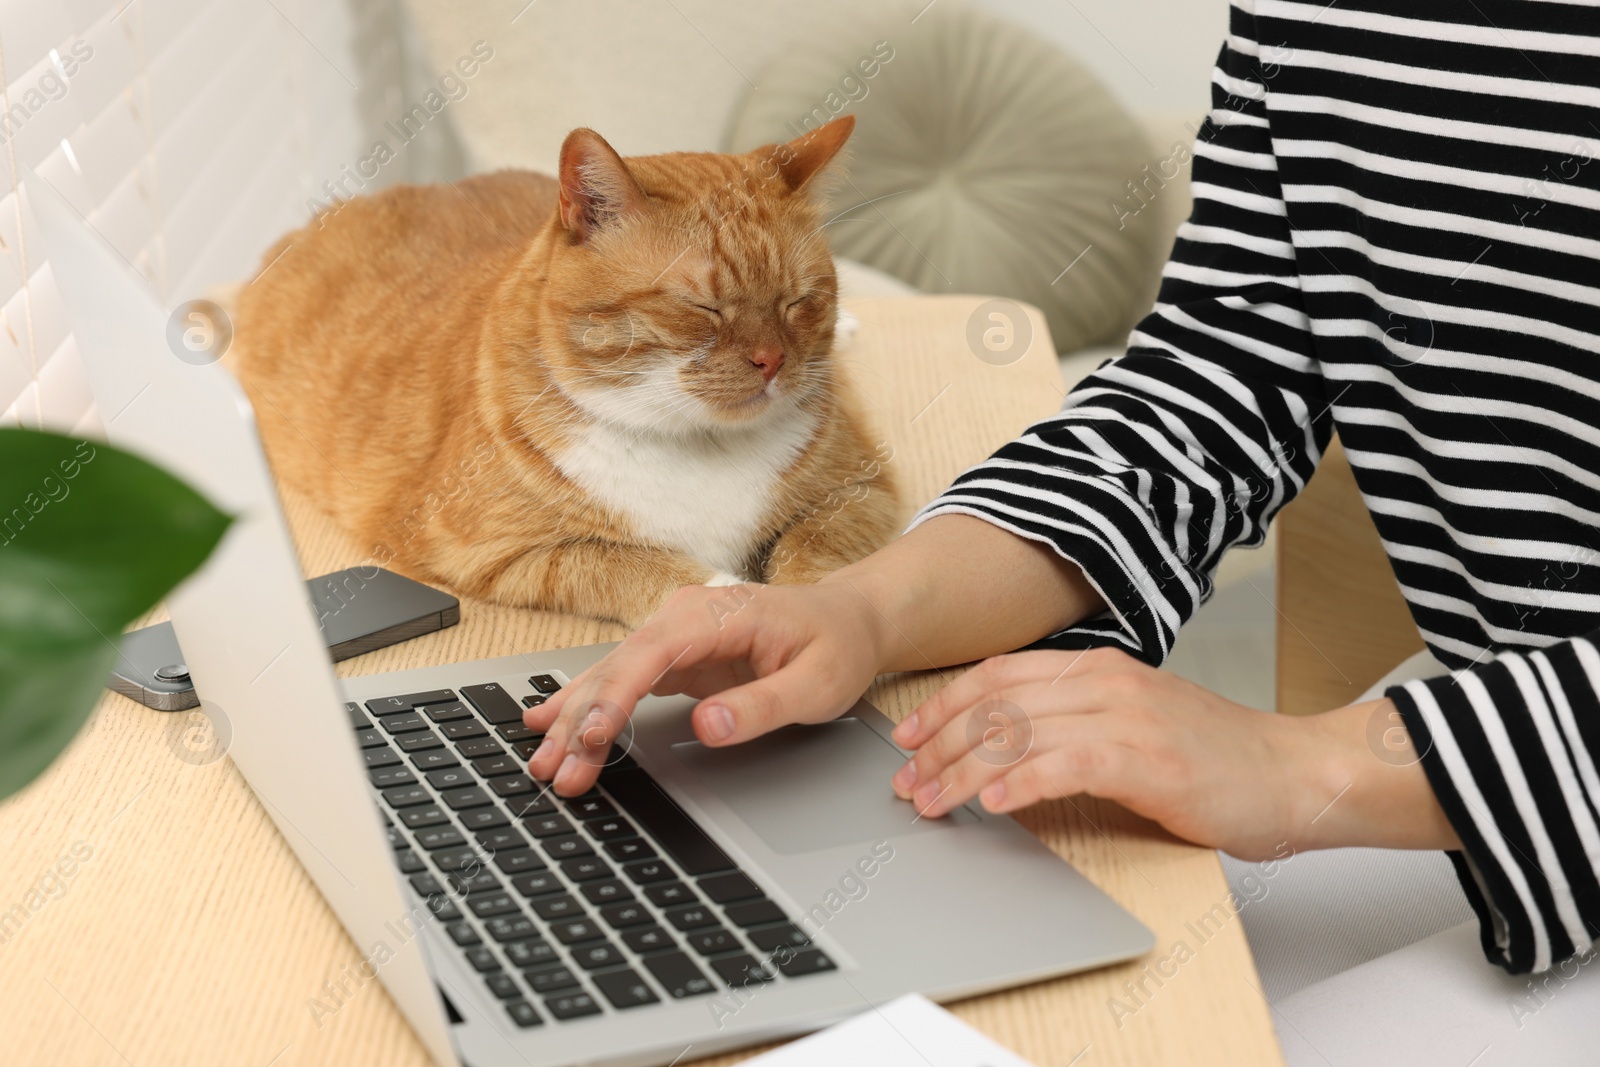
column 1396, row 234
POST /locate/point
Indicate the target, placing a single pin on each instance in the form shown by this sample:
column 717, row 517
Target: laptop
column 696, row 900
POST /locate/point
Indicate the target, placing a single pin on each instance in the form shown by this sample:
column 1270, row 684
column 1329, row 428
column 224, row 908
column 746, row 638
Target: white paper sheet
column 909, row 1032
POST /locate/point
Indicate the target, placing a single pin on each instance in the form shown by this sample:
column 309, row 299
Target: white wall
column 1156, row 55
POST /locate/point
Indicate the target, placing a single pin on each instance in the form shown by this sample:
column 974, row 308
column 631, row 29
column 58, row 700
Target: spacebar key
column 663, row 820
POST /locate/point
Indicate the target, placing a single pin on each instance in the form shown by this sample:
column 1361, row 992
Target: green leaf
column 91, row 537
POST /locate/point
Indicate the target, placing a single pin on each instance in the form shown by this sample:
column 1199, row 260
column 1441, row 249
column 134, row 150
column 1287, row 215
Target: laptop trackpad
column 804, row 788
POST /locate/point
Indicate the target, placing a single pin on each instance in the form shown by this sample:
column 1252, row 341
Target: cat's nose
column 767, row 359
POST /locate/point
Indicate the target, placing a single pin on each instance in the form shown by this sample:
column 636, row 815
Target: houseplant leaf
column 91, row 537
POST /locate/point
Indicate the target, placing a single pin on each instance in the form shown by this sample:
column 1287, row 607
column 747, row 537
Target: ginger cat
column 575, row 394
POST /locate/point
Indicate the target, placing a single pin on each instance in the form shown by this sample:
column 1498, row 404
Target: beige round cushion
column 984, row 160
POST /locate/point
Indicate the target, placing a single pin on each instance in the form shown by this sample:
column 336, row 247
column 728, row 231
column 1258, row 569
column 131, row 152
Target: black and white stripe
column 1396, row 234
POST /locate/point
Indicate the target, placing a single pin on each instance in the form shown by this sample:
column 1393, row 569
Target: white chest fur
column 703, row 494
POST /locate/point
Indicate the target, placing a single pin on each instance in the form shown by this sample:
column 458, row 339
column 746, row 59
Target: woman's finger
column 593, row 713
column 997, row 672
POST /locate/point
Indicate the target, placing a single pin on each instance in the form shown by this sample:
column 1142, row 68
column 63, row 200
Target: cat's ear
column 596, row 186
column 804, row 157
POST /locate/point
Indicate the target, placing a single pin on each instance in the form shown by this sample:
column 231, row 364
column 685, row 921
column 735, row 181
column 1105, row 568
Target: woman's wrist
column 1361, row 783
column 958, row 589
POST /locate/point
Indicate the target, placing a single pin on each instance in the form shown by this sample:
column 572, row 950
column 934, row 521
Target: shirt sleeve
column 1214, row 419
column 1508, row 746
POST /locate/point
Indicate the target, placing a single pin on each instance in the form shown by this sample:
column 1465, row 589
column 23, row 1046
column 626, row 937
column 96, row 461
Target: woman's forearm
column 957, row 589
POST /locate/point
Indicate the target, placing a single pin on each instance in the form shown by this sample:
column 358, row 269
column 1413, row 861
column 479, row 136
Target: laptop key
column 479, row 819
column 480, row 748
column 668, row 894
column 434, row 759
column 416, row 700
column 418, row 742
column 443, row 908
column 505, row 928
column 771, row 938
column 436, row 837
column 530, row 952
column 648, row 871
column 502, row 839
column 755, row 913
column 464, row 730
column 458, row 861
column 381, row 706
column 691, row 917
column 453, row 776
column 528, row 804
column 713, row 942
column 483, row 961
column 565, row 906
column 547, row 825
column 407, row 796
column 425, row 884
column 726, row 888
column 673, row 830
column 461, row 799
column 610, row 891
column 463, row 934
column 512, row 784
column 538, row 884
column 586, row 869
column 610, row 829
column 488, row 905
column 634, row 848
column 451, row 711
column 550, row 979
column 625, row 989
column 570, row 933
column 524, row 749
column 571, row 1006
column 515, row 731
column 396, row 838
column 622, row 916
column 544, row 683
column 569, row 846
column 380, row 757
column 498, row 764
column 406, row 723
column 503, row 986
column 417, row 818
column 476, row 882
column 597, row 956
column 410, row 862
column 589, row 807
column 522, row 1013
column 806, row 961
column 679, row 975
column 370, row 738
column 493, row 703
column 519, row 860
column 741, row 970
column 650, row 939
column 389, row 777
column 533, row 700
column 358, row 718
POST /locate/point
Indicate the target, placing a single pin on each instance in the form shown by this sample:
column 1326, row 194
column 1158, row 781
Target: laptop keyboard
column 610, row 901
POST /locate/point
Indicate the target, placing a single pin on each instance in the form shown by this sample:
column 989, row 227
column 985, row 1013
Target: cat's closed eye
column 715, row 313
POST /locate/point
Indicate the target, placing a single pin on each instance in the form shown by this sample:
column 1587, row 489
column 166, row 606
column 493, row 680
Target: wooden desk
column 191, row 936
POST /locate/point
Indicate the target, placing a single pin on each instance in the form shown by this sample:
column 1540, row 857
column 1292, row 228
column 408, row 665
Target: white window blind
column 191, row 133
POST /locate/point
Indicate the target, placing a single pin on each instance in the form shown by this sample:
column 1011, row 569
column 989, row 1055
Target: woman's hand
column 766, row 655
column 954, row 589
column 1033, row 726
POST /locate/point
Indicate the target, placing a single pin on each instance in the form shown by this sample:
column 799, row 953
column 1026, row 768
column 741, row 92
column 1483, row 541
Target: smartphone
column 360, row 609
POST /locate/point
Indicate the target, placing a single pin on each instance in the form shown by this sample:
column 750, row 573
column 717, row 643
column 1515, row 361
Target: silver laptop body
column 887, row 903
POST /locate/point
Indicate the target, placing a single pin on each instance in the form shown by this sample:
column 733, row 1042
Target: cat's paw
column 724, row 578
column 845, row 328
